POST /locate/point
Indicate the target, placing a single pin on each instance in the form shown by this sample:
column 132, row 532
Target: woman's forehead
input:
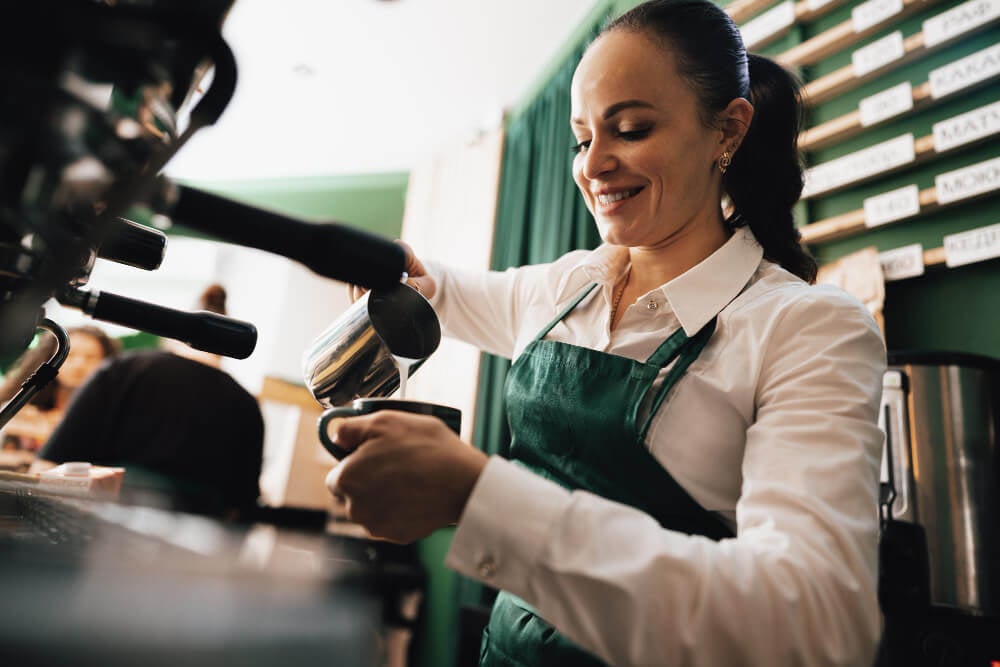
column 624, row 64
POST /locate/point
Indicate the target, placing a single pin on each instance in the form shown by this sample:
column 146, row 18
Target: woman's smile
column 610, row 200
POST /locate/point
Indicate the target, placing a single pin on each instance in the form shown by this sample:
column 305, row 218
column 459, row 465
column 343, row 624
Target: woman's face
column 645, row 161
column 85, row 355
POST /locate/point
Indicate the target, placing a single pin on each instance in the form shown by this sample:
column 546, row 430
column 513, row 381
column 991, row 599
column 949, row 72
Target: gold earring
column 725, row 161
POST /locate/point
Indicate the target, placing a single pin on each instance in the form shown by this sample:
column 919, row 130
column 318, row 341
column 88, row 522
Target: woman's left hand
column 407, row 476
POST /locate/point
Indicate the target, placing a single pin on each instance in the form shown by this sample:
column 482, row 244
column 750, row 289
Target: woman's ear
column 734, row 121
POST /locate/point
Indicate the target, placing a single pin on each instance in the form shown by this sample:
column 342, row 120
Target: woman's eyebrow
column 617, row 108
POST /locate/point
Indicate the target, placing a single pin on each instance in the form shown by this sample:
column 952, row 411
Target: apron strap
column 690, row 348
column 576, row 302
column 668, row 349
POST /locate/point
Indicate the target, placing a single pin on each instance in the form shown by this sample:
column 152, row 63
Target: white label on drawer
column 816, row 5
column 975, row 245
column 967, row 127
column 980, row 66
column 890, row 102
column 968, row 182
column 768, row 24
column 878, row 54
column 870, row 14
column 861, row 164
column 952, row 23
column 904, row 262
column 890, row 206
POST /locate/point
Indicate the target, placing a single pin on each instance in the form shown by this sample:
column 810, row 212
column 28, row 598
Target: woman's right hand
column 417, row 277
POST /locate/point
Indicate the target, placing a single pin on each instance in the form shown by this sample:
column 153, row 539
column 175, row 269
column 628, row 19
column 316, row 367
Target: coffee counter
column 91, row 582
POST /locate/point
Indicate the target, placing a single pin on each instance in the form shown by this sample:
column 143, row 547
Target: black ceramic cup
column 452, row 417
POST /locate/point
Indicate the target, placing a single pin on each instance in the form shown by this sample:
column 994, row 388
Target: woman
column 89, row 347
column 695, row 436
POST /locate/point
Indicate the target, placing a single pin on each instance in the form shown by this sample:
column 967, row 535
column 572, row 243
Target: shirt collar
column 602, row 265
column 701, row 292
column 696, row 296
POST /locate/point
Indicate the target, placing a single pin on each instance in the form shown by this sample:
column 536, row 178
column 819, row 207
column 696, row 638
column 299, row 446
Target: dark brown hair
column 213, row 299
column 109, row 346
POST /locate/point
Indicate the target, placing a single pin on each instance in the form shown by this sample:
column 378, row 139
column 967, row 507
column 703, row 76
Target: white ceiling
column 333, row 87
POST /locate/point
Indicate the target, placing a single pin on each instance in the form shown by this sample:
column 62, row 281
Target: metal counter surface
column 88, row 582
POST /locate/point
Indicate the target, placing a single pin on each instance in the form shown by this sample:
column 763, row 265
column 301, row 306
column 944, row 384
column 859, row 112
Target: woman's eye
column 625, row 135
column 633, row 135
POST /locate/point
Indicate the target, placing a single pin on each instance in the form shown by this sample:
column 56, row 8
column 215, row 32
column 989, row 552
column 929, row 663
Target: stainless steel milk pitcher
column 354, row 357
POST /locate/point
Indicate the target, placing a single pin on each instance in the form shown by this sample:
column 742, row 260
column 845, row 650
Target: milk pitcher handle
column 324, row 422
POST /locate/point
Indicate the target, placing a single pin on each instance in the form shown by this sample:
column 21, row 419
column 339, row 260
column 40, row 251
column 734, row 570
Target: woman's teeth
column 617, row 196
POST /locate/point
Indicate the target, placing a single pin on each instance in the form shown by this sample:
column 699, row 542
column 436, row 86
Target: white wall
column 450, row 214
column 288, row 304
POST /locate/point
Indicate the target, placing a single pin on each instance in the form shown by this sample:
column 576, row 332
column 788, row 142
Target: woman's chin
column 613, row 235
column 610, row 233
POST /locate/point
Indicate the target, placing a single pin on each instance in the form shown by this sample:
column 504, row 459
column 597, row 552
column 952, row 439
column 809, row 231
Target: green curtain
column 540, row 216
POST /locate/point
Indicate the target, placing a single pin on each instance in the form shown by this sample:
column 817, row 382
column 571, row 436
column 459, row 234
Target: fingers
column 413, row 266
column 355, row 292
column 349, row 433
column 408, row 476
column 417, row 277
column 425, row 285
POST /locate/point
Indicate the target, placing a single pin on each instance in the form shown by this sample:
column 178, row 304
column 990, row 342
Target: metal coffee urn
column 940, row 551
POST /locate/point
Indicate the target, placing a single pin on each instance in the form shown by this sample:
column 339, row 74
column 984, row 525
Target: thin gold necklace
column 617, row 298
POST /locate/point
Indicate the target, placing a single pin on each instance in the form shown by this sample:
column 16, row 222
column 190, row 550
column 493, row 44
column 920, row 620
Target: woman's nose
column 599, row 159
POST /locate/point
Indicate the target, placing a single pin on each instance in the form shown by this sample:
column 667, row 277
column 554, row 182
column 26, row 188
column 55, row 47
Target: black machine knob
column 133, row 244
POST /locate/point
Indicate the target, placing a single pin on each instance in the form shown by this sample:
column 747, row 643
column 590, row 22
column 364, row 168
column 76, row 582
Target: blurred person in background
column 189, row 436
column 30, row 428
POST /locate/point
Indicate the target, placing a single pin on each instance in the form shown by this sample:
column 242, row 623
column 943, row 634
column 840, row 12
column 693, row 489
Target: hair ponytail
column 765, row 178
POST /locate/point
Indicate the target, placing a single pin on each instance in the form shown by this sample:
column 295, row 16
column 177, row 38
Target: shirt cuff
column 507, row 520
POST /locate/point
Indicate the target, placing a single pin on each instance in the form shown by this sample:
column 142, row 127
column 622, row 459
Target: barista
column 695, row 445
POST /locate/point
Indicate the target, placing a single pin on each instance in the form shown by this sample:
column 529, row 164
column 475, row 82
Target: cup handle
column 324, row 423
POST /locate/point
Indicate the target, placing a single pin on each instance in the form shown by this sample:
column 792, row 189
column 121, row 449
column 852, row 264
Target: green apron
column 573, row 415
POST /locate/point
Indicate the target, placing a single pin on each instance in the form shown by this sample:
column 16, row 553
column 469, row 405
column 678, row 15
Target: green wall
column 373, row 202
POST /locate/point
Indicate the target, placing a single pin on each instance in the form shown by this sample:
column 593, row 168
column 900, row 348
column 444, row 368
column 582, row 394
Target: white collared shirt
column 774, row 426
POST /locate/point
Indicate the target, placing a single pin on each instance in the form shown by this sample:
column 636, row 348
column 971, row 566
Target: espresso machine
column 97, row 96
column 940, row 546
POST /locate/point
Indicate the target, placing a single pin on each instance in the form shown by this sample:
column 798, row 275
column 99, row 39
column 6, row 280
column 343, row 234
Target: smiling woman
column 694, row 425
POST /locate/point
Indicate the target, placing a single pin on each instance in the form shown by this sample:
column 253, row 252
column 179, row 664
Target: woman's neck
column 653, row 266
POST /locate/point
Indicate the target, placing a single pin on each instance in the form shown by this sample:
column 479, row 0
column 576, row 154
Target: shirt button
column 652, row 305
column 487, row 567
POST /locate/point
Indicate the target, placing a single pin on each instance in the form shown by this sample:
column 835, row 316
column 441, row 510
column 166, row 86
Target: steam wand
column 43, row 375
column 201, row 330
